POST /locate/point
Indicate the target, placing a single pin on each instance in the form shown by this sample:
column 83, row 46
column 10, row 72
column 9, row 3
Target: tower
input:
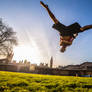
column 51, row 62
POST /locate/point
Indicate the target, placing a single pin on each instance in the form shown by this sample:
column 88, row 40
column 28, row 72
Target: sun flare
column 30, row 53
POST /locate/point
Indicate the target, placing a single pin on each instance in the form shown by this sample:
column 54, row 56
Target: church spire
column 51, row 62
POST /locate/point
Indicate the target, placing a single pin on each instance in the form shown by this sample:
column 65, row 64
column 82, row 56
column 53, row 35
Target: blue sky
column 34, row 28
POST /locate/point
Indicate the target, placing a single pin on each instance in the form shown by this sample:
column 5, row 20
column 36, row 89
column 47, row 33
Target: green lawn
column 24, row 82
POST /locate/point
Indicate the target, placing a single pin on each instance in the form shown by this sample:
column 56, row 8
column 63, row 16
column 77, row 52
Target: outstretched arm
column 49, row 12
column 86, row 27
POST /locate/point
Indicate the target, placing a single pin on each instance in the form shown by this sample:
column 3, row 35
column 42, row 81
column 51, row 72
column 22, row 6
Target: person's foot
column 44, row 5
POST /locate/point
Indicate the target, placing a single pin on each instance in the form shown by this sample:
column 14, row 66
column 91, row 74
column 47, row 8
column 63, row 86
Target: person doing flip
column 67, row 33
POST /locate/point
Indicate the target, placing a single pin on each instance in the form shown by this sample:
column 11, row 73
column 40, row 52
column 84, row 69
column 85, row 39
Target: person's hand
column 44, row 5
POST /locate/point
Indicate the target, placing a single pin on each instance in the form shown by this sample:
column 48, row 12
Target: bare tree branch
column 7, row 39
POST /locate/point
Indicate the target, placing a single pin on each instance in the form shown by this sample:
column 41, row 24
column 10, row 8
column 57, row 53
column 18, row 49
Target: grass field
column 23, row 82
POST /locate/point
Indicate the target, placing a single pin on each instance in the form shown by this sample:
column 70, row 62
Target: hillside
column 23, row 82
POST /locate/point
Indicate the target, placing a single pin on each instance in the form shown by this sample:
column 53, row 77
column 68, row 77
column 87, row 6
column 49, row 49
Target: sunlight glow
column 27, row 52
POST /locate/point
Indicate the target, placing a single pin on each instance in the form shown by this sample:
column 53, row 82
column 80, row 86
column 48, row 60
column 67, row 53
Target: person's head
column 63, row 48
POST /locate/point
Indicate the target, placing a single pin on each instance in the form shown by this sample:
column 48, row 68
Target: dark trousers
column 67, row 30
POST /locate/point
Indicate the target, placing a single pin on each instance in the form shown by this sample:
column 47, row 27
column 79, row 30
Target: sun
column 27, row 52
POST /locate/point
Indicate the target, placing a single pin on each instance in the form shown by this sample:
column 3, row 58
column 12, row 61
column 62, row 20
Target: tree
column 7, row 39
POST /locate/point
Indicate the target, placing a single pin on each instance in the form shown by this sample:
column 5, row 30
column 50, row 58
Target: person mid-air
column 67, row 33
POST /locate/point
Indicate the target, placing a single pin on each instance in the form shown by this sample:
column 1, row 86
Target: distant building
column 84, row 69
column 45, row 65
column 41, row 65
column 83, row 66
column 33, row 67
column 51, row 62
column 7, row 60
column 14, row 62
column 7, row 65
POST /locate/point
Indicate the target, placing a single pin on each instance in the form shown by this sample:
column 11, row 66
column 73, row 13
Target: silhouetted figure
column 67, row 33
